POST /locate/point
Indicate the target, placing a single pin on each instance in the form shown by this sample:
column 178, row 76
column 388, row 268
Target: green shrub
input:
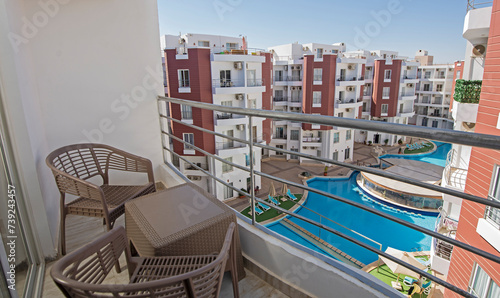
column 467, row 91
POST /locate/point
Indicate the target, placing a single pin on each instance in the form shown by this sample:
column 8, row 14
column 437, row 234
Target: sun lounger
column 291, row 195
column 263, row 206
column 426, row 288
column 409, row 281
column 273, row 200
column 258, row 211
column 408, row 146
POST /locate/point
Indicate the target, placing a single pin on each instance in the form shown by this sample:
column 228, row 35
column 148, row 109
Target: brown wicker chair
column 74, row 164
column 82, row 272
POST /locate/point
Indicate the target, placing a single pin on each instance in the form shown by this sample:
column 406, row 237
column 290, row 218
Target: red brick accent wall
column 267, row 102
column 327, row 88
column 200, row 81
column 480, row 169
column 378, row 85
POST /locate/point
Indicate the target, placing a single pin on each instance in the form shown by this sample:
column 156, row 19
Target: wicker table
column 179, row 221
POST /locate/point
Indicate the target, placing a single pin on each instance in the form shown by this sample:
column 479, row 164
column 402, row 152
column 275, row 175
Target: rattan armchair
column 82, row 272
column 74, row 165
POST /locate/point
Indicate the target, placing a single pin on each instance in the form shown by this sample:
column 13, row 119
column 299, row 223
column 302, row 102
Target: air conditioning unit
column 238, row 65
column 350, row 88
column 478, row 50
column 410, row 85
column 373, row 53
column 350, row 67
column 305, row 147
column 300, row 88
column 347, row 110
column 293, row 67
column 239, row 96
column 286, row 67
column 240, row 127
column 447, row 95
column 298, row 67
column 408, row 68
column 368, row 68
column 285, row 88
column 305, row 49
column 293, row 88
column 450, row 69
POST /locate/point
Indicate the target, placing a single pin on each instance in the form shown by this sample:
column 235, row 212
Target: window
column 336, row 137
column 348, row 134
column 367, row 90
column 385, row 108
column 319, row 53
column 228, row 191
column 427, row 75
column 183, row 75
column 318, row 74
column 365, row 106
column 424, row 121
column 247, row 160
column 228, row 143
column 186, row 112
column 458, row 75
column 439, row 87
column 427, row 87
column 401, row 106
column 279, row 133
column 426, row 99
column 278, row 76
column 435, row 123
column 279, row 147
column 225, row 115
column 347, row 153
column 482, row 285
column 232, row 46
column 340, row 114
column 188, row 138
column 225, row 78
column 341, row 95
column 293, row 156
column 294, row 135
column 317, row 97
column 335, row 156
column 386, row 91
column 227, row 167
column 387, row 74
column 203, row 43
column 493, row 214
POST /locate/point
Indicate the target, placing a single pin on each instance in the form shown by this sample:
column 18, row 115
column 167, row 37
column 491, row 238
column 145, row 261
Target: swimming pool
column 382, row 230
column 437, row 157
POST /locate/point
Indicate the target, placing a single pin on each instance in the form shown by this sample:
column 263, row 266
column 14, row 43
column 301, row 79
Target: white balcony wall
column 68, row 80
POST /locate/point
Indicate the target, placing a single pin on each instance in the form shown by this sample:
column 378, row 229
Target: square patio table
column 180, row 221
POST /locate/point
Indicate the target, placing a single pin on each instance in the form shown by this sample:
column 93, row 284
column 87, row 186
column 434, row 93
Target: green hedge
column 467, row 91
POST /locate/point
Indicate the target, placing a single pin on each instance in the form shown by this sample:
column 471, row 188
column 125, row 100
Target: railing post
column 252, row 175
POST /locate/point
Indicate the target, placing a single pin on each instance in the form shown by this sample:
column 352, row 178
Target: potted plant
column 369, row 143
column 400, row 141
column 386, row 141
column 242, row 193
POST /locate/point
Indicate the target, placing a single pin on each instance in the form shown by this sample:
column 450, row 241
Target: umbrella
column 272, row 191
column 284, row 189
column 405, row 257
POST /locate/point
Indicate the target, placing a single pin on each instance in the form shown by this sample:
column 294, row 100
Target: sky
column 398, row 25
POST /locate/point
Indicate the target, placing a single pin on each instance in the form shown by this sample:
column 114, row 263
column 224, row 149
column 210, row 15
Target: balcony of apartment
column 230, row 148
column 441, row 251
column 353, row 59
column 408, row 95
column 192, row 170
column 287, row 60
column 237, row 86
column 228, row 119
column 410, row 79
column 280, row 80
column 455, row 172
column 477, row 22
column 279, row 138
column 311, row 141
column 406, row 112
column 280, row 101
column 254, row 244
column 295, row 101
column 237, row 55
column 350, row 80
column 367, row 94
column 294, row 80
column 347, row 103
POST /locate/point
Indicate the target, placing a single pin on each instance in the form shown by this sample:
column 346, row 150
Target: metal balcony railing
column 473, row 4
column 280, row 98
column 451, row 136
column 295, row 78
column 493, row 215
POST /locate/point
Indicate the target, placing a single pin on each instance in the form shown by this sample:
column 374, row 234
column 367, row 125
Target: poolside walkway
column 290, row 170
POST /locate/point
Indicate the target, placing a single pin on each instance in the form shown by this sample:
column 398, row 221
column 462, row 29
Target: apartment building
column 434, row 90
column 315, row 79
column 388, row 93
column 223, row 71
column 475, row 171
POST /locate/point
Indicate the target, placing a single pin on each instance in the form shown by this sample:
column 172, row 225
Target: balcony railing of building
column 454, row 174
column 473, row 4
column 280, row 136
column 493, row 216
column 311, row 139
column 223, row 116
column 203, row 166
column 224, row 83
column 280, row 98
column 295, row 98
column 236, row 51
column 229, row 145
column 349, row 78
column 451, row 136
column 295, row 78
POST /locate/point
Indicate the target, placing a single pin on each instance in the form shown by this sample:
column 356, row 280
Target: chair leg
column 109, row 225
column 62, row 232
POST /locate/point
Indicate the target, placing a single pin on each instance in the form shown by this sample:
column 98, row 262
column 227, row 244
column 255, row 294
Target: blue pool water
column 437, row 157
column 382, row 230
